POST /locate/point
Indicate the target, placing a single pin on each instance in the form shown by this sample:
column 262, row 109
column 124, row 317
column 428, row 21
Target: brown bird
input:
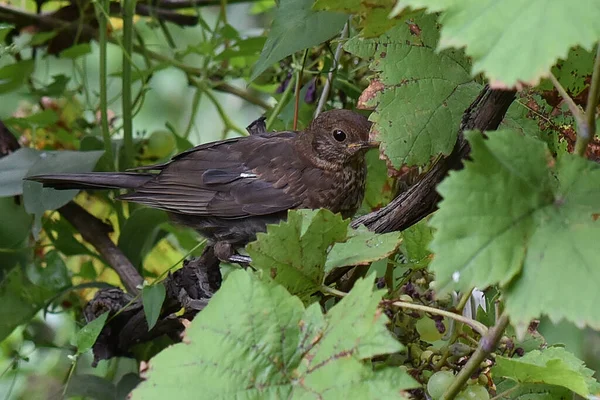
column 229, row 190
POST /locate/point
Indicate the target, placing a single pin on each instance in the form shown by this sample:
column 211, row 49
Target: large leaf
column 516, row 217
column 14, row 75
column 512, row 41
column 39, row 199
column 296, row 27
column 255, row 340
column 293, row 253
column 419, row 95
column 15, row 224
column 554, row 366
column 13, row 169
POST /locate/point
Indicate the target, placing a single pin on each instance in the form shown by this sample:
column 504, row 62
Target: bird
column 229, row 190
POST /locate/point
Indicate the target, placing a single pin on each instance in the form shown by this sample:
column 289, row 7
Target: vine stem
column 334, row 292
column 477, row 326
column 487, row 344
column 297, row 89
column 336, row 61
column 506, row 392
column 128, row 11
column 588, row 131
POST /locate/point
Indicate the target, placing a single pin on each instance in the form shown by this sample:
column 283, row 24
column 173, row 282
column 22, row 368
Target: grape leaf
column 361, row 248
column 509, row 41
column 293, row 253
column 419, row 95
column 554, row 366
column 415, row 244
column 297, row 27
column 255, row 340
column 514, row 210
column 374, row 14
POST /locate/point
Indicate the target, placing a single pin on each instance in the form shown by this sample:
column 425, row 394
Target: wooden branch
column 419, row 200
column 96, row 232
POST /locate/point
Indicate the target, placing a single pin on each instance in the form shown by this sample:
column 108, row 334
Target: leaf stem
column 336, row 61
column 334, row 292
column 297, row 89
column 577, row 113
column 506, row 392
column 588, row 130
column 127, row 11
column 102, row 42
column 477, row 326
column 487, row 344
column 280, row 104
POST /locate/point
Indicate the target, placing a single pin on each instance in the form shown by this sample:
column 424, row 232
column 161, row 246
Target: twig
column 588, row 128
column 178, row 4
column 570, row 103
column 336, row 60
column 487, row 345
column 95, row 232
column 297, row 89
column 476, row 325
column 334, row 292
column 280, row 104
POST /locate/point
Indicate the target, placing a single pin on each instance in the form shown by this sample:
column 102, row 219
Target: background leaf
column 140, row 233
column 296, row 26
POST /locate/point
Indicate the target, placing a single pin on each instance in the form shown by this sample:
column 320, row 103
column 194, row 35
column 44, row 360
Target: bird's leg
column 225, row 252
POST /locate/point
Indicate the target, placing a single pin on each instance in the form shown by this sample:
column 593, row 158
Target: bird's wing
column 231, row 179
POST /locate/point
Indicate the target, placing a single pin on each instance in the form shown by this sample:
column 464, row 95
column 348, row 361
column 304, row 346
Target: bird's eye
column 339, row 135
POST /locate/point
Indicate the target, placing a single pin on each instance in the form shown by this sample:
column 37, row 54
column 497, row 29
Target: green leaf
column 153, row 297
column 511, row 43
column 419, row 94
column 20, row 299
column 15, row 224
column 361, row 248
column 293, row 253
column 63, row 237
column 13, row 169
column 76, row 51
column 38, row 199
column 374, row 14
column 86, row 337
column 255, row 340
column 41, row 119
column 527, row 223
column 54, row 275
column 415, row 244
column 90, row 386
column 12, row 76
column 554, row 366
column 379, row 188
column 140, row 233
column 532, row 391
column 297, row 27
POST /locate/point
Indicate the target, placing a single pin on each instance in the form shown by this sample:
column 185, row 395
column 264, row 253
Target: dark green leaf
column 15, row 224
column 90, row 386
column 87, row 336
column 140, row 233
column 54, row 275
column 296, row 27
column 76, row 51
column 12, row 76
column 20, row 299
column 153, row 297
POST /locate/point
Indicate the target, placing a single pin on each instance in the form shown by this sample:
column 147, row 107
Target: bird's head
column 340, row 136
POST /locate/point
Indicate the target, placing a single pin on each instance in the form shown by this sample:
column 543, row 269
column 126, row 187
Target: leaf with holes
column 512, row 41
column 294, row 252
column 255, row 340
column 419, row 95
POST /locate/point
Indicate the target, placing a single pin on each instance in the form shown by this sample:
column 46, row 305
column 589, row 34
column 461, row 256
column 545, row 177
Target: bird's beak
column 363, row 145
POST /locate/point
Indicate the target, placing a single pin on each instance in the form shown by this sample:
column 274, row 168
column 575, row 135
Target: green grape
column 438, row 383
column 426, row 328
column 161, row 144
column 473, row 392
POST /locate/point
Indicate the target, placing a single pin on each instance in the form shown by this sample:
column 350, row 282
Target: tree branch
column 96, row 232
column 419, row 200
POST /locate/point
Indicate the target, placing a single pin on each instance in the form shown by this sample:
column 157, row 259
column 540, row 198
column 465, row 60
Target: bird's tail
column 93, row 180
